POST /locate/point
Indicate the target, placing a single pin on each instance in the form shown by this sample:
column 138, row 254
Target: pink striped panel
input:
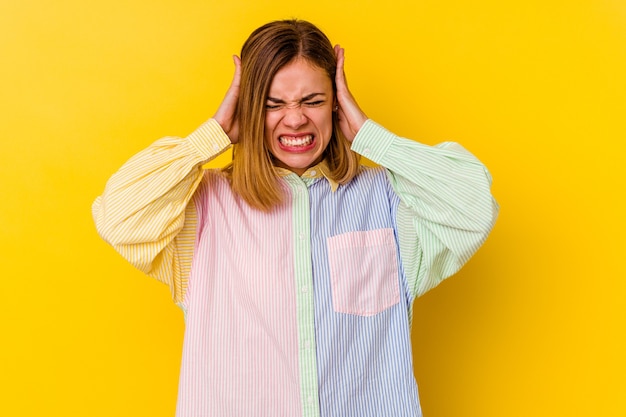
column 364, row 271
column 241, row 347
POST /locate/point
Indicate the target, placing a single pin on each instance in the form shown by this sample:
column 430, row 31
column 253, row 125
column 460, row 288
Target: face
column 299, row 115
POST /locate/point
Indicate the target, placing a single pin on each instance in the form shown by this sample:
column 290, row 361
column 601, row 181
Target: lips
column 301, row 141
column 298, row 143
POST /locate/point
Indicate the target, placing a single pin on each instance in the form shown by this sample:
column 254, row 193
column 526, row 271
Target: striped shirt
column 304, row 310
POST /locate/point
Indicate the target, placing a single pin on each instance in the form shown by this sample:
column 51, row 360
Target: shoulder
column 369, row 176
column 215, row 175
column 368, row 173
column 214, row 180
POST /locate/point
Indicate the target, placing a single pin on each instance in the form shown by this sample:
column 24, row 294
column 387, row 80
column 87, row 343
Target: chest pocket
column 364, row 271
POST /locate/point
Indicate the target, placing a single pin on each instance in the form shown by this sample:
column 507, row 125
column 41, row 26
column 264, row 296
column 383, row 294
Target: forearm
column 446, row 209
column 143, row 206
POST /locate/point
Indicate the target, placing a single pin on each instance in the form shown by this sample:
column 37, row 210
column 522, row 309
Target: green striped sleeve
column 446, row 208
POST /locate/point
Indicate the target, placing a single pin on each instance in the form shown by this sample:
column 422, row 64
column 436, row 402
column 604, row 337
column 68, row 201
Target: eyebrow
column 305, row 98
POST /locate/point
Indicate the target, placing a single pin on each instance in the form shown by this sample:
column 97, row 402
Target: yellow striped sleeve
column 146, row 211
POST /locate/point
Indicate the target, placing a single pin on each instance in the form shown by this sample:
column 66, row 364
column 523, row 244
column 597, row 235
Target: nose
column 294, row 117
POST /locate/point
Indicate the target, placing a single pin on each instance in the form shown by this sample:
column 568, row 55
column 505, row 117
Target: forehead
column 299, row 78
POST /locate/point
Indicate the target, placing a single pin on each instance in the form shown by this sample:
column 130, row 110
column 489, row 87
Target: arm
column 146, row 213
column 446, row 209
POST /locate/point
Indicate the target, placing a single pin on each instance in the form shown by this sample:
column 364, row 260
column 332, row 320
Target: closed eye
column 273, row 104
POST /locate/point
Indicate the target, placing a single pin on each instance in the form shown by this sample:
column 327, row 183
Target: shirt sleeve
column 146, row 211
column 446, row 208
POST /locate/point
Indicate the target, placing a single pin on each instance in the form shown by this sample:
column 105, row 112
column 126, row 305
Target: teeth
column 296, row 141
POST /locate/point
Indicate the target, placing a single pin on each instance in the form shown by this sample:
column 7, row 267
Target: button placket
column 304, row 296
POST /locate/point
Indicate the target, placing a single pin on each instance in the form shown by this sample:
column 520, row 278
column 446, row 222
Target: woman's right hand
column 226, row 114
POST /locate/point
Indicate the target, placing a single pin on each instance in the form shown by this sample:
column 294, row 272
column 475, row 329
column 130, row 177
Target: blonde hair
column 265, row 52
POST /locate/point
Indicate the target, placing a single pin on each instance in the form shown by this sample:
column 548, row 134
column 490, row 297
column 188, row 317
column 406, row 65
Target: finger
column 234, row 85
column 237, row 76
column 233, row 91
column 226, row 112
column 340, row 76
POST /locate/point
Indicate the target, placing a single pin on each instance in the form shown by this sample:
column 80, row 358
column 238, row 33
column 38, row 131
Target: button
column 367, row 151
column 216, row 147
column 310, row 399
column 305, row 289
column 307, row 344
column 312, row 173
column 301, row 236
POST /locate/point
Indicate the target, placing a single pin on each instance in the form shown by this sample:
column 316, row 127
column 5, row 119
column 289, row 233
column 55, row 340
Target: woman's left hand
column 351, row 117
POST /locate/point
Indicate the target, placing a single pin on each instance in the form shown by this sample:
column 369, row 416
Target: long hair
column 265, row 52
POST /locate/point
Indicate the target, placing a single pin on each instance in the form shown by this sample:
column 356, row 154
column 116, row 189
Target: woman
column 296, row 267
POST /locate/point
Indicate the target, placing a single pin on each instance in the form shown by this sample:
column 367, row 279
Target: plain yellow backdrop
column 534, row 325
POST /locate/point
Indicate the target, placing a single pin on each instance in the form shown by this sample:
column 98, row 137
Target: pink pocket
column 364, row 271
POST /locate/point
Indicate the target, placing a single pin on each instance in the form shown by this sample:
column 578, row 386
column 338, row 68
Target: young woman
column 295, row 266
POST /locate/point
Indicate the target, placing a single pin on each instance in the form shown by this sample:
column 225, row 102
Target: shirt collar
column 317, row 171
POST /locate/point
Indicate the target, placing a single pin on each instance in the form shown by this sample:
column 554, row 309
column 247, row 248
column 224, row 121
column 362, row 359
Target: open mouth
column 296, row 141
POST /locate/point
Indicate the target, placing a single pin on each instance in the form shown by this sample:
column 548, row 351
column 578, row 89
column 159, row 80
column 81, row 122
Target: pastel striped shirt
column 304, row 310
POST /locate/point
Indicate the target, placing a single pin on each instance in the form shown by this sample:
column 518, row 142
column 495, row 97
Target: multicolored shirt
column 304, row 310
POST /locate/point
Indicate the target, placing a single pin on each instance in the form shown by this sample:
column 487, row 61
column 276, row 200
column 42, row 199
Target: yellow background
column 534, row 325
